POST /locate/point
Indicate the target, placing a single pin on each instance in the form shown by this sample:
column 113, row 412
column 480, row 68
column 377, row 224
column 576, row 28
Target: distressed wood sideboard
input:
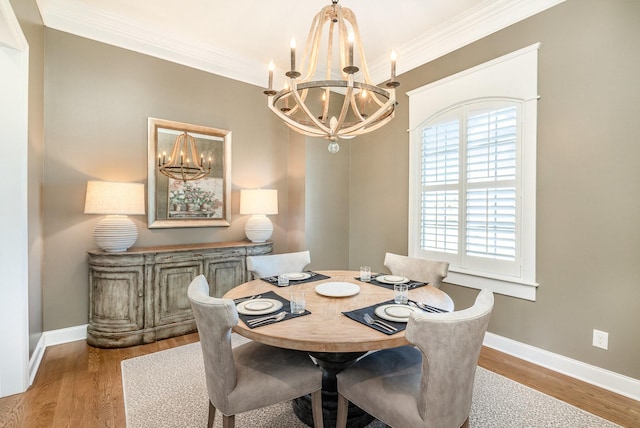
column 140, row 295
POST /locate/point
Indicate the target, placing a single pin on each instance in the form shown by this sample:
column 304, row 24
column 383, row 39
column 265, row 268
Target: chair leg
column 212, row 415
column 316, row 408
column 343, row 409
column 228, row 421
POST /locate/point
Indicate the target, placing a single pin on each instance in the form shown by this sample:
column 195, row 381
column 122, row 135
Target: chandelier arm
column 379, row 115
column 345, row 103
column 306, row 110
column 356, row 109
column 173, row 159
column 343, row 43
column 350, row 17
column 313, row 44
column 192, row 149
column 364, row 130
column 296, row 107
column 296, row 126
column 327, row 73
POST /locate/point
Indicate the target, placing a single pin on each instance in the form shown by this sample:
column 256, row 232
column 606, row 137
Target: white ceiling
column 237, row 38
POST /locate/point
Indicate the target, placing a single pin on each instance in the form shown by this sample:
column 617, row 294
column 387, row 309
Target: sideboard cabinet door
column 116, row 316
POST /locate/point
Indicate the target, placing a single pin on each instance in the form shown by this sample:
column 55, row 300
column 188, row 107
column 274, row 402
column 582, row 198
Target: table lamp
column 116, row 232
column 259, row 203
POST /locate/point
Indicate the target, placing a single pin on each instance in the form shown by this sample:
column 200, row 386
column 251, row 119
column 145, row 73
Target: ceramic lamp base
column 258, row 228
column 115, row 233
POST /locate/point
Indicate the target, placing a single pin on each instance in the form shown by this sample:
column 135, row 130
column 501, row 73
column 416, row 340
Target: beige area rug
column 167, row 389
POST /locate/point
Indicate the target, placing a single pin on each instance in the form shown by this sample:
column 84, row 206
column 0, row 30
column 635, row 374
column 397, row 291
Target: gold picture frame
column 205, row 202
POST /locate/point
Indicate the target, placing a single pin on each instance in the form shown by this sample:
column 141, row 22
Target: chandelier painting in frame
column 179, row 199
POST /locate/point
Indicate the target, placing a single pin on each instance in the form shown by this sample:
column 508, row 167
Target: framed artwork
column 204, row 202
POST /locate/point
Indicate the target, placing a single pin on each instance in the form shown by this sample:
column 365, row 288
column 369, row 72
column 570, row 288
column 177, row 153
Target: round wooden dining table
column 333, row 340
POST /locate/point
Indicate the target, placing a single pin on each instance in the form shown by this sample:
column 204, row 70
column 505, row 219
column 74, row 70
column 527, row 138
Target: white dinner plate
column 259, row 306
column 296, row 276
column 392, row 279
column 395, row 312
column 337, row 289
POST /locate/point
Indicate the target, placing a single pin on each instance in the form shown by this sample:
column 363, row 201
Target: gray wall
column 588, row 234
column 97, row 101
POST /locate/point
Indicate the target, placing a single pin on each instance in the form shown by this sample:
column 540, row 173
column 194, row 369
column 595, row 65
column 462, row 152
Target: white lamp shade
column 116, row 232
column 259, row 201
column 108, row 197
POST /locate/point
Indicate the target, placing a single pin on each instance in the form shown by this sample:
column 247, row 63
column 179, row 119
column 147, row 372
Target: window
column 472, row 185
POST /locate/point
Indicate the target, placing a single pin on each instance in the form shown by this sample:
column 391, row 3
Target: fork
column 275, row 318
column 268, row 317
column 429, row 308
column 244, row 299
column 369, row 320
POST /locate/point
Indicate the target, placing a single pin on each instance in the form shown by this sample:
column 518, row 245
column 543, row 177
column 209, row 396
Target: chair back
column 450, row 344
column 215, row 317
column 429, row 271
column 275, row 264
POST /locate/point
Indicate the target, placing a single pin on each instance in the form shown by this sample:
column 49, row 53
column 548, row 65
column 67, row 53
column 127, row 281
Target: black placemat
column 411, row 284
column 286, row 306
column 358, row 315
column 273, row 280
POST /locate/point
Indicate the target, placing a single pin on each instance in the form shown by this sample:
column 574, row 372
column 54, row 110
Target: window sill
column 508, row 288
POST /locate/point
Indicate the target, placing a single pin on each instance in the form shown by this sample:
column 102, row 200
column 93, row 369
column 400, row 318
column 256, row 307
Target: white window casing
column 478, row 175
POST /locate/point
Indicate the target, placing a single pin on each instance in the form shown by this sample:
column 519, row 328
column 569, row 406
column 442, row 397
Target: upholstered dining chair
column 252, row 375
column 429, row 271
column 275, row 264
column 429, row 385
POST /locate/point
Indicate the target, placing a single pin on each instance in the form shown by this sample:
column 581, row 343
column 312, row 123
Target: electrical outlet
column 600, row 339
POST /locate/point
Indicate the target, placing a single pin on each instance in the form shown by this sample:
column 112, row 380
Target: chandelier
column 338, row 104
column 182, row 164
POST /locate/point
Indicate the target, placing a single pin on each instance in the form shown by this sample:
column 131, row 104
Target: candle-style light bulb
column 293, row 54
column 271, row 68
column 393, row 65
column 181, row 158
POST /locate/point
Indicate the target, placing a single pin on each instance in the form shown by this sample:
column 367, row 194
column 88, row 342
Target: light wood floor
column 81, row 386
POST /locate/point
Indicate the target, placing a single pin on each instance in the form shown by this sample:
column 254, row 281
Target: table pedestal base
column 331, row 364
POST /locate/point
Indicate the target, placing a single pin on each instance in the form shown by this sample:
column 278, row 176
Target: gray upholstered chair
column 429, row 385
column 275, row 264
column 252, row 375
column 429, row 271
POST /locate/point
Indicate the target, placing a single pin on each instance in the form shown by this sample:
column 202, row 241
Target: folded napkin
column 358, row 315
column 411, row 284
column 286, row 306
column 314, row 277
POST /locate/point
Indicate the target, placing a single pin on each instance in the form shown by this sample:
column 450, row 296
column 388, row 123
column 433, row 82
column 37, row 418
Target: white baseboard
column 65, row 335
column 597, row 376
column 50, row 338
column 36, row 358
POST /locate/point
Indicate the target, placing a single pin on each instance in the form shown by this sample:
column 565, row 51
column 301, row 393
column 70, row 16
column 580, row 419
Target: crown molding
column 76, row 18
column 486, row 18
column 11, row 34
column 101, row 26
